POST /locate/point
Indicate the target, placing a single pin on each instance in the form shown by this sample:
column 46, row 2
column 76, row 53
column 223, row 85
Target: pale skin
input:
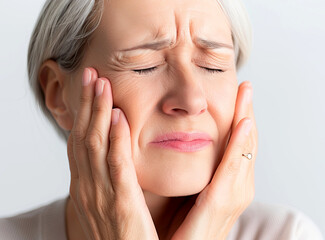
column 122, row 187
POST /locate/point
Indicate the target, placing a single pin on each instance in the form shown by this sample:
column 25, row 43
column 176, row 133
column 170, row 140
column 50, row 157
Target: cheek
column 222, row 94
column 138, row 99
column 130, row 93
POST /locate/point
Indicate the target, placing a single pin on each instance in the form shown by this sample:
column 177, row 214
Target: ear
column 52, row 80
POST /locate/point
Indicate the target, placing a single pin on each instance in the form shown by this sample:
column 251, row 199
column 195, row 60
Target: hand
column 104, row 189
column 231, row 190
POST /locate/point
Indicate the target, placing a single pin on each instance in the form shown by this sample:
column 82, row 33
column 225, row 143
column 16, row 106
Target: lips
column 183, row 142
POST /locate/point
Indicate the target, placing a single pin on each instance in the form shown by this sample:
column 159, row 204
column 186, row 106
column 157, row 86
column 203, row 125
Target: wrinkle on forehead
column 127, row 23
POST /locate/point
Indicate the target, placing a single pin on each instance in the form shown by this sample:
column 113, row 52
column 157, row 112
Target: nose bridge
column 182, row 69
column 184, row 77
column 188, row 85
column 186, row 95
column 186, row 92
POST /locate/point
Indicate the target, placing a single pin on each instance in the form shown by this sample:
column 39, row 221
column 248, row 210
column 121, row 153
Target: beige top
column 260, row 221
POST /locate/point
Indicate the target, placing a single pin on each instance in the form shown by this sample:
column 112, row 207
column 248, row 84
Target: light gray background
column 287, row 72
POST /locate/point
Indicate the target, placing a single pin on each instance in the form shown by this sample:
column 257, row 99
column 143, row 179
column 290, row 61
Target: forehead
column 129, row 22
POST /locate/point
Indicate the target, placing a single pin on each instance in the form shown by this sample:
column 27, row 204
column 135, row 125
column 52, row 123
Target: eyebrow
column 212, row 44
column 153, row 46
column 203, row 43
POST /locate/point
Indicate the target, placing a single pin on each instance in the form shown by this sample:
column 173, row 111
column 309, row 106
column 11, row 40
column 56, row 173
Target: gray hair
column 64, row 26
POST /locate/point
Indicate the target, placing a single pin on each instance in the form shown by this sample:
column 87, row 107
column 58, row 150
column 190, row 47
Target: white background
column 287, row 71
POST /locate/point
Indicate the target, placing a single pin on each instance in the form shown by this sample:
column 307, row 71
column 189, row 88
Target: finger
column 122, row 170
column 254, row 132
column 98, row 131
column 246, row 94
column 243, row 102
column 81, row 123
column 253, row 140
column 244, row 108
column 233, row 163
column 235, row 169
column 253, row 143
column 72, row 161
column 250, row 113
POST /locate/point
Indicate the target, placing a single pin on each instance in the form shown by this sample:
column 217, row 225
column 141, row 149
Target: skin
column 121, row 186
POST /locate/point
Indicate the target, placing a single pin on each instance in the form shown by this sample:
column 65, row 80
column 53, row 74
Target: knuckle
column 98, row 108
column 85, row 99
column 117, row 162
column 116, row 169
column 115, row 138
column 94, row 140
column 120, row 174
column 116, row 158
column 79, row 133
column 210, row 198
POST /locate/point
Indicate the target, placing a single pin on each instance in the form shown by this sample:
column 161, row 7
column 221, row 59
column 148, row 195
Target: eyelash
column 213, row 70
column 152, row 69
column 145, row 70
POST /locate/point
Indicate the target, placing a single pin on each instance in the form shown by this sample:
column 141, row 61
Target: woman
column 161, row 140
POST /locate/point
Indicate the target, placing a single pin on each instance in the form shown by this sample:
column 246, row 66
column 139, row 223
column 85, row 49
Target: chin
column 177, row 189
column 175, row 174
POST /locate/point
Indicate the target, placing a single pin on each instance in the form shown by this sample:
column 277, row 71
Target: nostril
column 180, row 111
column 185, row 102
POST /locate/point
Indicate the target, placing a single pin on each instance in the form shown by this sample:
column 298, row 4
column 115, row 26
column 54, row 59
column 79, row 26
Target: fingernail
column 248, row 95
column 248, row 126
column 99, row 87
column 86, row 77
column 115, row 115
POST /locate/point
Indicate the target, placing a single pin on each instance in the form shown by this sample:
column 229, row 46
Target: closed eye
column 152, row 69
column 145, row 70
column 212, row 70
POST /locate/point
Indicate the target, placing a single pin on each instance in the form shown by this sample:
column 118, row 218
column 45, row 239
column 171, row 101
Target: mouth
column 183, row 142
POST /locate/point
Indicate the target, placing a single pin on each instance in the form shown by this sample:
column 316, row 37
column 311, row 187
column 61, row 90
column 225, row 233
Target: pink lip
column 183, row 142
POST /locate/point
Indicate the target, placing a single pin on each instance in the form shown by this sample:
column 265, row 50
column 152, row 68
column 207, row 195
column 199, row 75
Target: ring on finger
column 249, row 156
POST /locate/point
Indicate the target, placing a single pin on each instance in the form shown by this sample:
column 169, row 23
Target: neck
column 162, row 209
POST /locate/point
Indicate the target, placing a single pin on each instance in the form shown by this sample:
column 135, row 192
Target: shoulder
column 46, row 223
column 274, row 222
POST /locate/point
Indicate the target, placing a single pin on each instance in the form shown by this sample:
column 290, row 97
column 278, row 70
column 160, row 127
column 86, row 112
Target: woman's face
column 181, row 42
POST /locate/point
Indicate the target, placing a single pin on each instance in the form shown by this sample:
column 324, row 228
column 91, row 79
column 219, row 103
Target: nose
column 185, row 96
